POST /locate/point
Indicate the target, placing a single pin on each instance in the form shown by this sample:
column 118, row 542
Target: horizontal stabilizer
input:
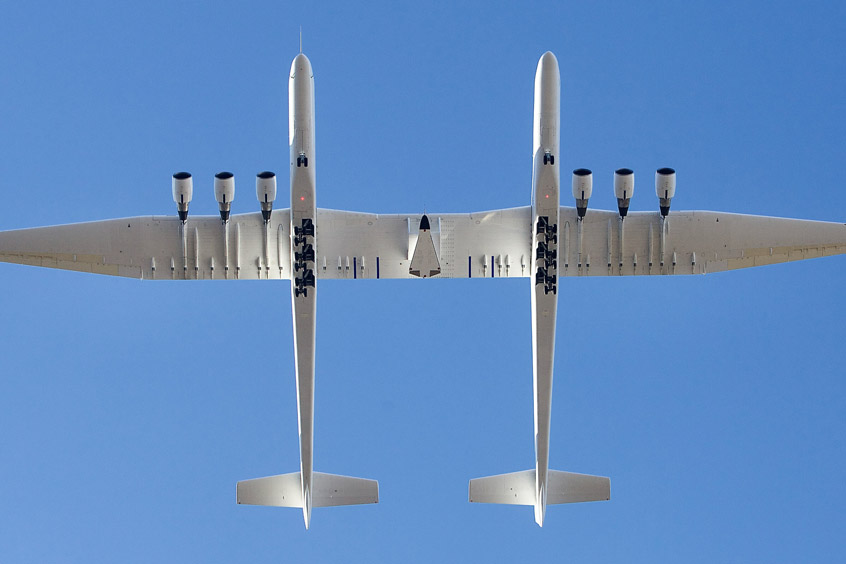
column 331, row 489
column 328, row 490
column 284, row 490
column 518, row 488
column 567, row 487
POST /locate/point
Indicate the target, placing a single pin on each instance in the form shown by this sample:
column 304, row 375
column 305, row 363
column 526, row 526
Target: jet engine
column 623, row 189
column 665, row 188
column 183, row 189
column 266, row 192
column 582, row 188
column 224, row 192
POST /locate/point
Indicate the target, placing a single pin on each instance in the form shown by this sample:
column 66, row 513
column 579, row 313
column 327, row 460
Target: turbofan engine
column 582, row 188
column 665, row 188
column 623, row 189
column 224, row 192
column 266, row 192
column 183, row 189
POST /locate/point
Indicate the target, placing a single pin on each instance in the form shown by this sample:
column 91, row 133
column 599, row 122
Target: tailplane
column 327, row 490
column 521, row 488
column 284, row 490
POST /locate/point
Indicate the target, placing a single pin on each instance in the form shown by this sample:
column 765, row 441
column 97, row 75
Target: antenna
column 301, row 40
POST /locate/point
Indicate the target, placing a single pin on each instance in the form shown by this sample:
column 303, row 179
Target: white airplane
column 542, row 242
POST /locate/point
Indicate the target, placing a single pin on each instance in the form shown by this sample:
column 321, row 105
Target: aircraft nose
column 301, row 64
column 548, row 80
column 547, row 65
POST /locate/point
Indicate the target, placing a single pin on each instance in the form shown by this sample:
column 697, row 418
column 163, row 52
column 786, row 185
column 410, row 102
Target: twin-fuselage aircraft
column 543, row 242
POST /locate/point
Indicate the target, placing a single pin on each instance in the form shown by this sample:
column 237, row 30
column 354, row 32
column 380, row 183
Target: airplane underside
column 542, row 242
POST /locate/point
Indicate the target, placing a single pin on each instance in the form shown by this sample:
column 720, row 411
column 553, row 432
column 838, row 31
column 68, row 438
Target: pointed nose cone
column 301, row 64
column 548, row 66
column 547, row 73
column 548, row 59
column 547, row 84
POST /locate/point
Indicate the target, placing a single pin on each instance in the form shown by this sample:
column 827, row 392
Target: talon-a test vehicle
column 543, row 242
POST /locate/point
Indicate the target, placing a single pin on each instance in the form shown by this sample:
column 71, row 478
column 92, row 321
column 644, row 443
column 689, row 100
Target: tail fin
column 519, row 488
column 328, row 490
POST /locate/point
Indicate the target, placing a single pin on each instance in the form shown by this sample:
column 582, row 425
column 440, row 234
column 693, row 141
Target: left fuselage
column 303, row 236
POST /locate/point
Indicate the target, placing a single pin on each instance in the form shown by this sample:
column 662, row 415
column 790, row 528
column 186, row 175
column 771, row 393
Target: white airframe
column 542, row 242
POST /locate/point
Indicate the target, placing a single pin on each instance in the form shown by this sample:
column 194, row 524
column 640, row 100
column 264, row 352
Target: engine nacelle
column 224, row 192
column 266, row 192
column 582, row 189
column 623, row 189
column 183, row 190
column 665, row 188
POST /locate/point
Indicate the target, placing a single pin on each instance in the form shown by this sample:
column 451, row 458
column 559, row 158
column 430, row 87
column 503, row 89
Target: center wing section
column 489, row 244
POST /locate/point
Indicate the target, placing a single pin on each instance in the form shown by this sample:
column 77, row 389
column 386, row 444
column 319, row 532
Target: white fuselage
column 545, row 200
column 303, row 294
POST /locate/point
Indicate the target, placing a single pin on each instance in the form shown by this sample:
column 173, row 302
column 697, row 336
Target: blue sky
column 716, row 404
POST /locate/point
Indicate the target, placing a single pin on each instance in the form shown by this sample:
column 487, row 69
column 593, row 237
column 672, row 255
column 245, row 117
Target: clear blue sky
column 716, row 404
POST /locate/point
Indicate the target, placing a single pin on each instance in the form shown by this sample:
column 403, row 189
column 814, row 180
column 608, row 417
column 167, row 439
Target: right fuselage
column 545, row 201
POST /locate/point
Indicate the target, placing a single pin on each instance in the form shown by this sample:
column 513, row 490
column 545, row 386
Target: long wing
column 491, row 244
column 349, row 245
column 151, row 247
column 694, row 242
column 496, row 244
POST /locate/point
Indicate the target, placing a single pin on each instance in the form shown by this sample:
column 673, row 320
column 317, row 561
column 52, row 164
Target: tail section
column 326, row 490
column 521, row 488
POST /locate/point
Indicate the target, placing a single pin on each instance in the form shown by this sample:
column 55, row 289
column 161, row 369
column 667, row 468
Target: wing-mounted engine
column 582, row 188
column 665, row 188
column 623, row 189
column 224, row 193
column 183, row 189
column 266, row 192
